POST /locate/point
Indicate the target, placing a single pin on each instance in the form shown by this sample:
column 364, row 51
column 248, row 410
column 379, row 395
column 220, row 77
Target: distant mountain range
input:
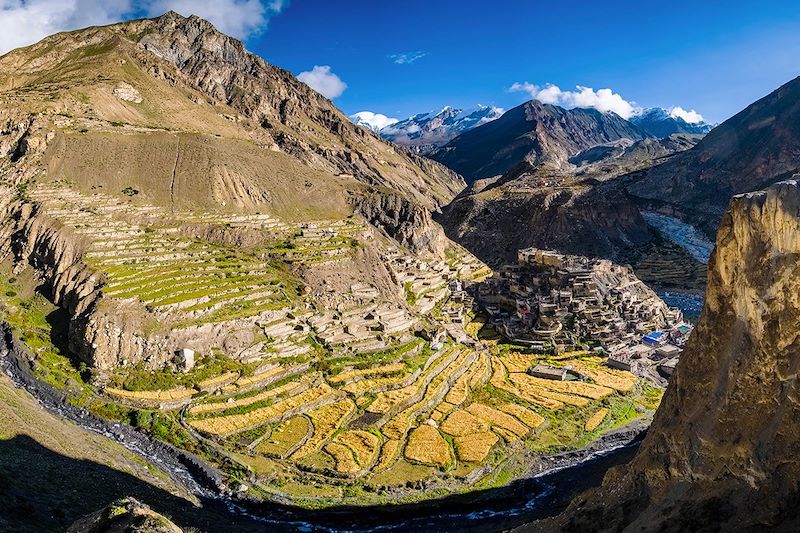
column 540, row 133
column 424, row 132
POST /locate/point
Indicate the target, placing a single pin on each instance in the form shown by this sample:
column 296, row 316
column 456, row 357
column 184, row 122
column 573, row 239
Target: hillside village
column 550, row 301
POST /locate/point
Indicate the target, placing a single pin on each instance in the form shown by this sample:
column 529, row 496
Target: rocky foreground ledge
column 724, row 445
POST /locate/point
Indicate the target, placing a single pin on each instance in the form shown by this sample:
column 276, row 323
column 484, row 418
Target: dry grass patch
column 518, row 362
column 352, row 375
column 426, row 446
column 536, row 390
column 387, row 400
column 218, row 381
column 285, row 436
column 345, row 460
column 250, row 400
column 154, row 396
column 579, row 388
column 247, row 381
column 524, row 415
column 227, row 425
column 326, row 421
column 596, row 419
column 363, row 386
column 498, row 380
column 364, row 445
column 496, row 418
column 475, row 447
column 389, row 455
column 619, row 380
column 462, row 423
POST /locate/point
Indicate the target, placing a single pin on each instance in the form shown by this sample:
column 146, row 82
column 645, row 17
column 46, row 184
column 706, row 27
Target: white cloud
column 374, row 121
column 407, row 58
column 239, row 18
column 322, row 80
column 691, row 117
column 24, row 22
column 602, row 99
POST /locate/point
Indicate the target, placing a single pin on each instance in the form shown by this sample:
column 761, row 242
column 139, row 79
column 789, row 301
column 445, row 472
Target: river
column 696, row 244
column 684, row 235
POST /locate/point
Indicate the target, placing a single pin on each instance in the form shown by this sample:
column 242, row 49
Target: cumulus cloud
column 691, row 117
column 407, row 58
column 374, row 121
column 602, row 99
column 24, row 22
column 322, row 80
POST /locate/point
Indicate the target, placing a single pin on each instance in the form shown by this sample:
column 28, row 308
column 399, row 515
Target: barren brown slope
column 722, row 451
column 132, row 101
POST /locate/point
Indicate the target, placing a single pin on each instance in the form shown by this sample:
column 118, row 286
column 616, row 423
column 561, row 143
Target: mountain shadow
column 41, row 490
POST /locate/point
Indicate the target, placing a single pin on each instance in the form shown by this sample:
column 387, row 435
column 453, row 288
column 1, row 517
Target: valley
column 220, row 291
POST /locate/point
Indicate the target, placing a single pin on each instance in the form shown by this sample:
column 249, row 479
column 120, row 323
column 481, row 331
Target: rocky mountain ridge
column 541, row 134
column 757, row 146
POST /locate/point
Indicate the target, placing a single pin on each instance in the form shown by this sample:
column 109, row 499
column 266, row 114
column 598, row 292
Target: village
column 552, row 302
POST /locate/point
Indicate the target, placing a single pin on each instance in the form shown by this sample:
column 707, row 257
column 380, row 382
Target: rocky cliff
column 722, row 451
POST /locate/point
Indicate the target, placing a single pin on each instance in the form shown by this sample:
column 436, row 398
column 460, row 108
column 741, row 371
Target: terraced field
column 354, row 399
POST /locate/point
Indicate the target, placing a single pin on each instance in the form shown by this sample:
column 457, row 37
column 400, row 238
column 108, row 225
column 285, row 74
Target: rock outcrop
column 722, row 451
column 126, row 515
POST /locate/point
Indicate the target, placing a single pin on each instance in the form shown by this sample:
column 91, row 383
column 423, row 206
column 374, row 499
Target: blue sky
column 712, row 56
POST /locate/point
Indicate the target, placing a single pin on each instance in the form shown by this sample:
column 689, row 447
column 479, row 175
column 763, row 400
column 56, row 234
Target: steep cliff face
column 722, row 450
column 496, row 222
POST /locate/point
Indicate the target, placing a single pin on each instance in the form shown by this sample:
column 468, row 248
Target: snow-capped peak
column 374, row 121
column 428, row 130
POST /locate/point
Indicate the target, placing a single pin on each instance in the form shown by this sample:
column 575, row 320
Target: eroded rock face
column 722, row 451
column 408, row 223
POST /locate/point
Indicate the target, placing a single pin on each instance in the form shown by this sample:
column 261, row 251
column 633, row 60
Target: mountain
column 583, row 208
column 721, row 450
column 424, row 132
column 659, row 122
column 169, row 119
column 534, row 132
column 756, row 147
